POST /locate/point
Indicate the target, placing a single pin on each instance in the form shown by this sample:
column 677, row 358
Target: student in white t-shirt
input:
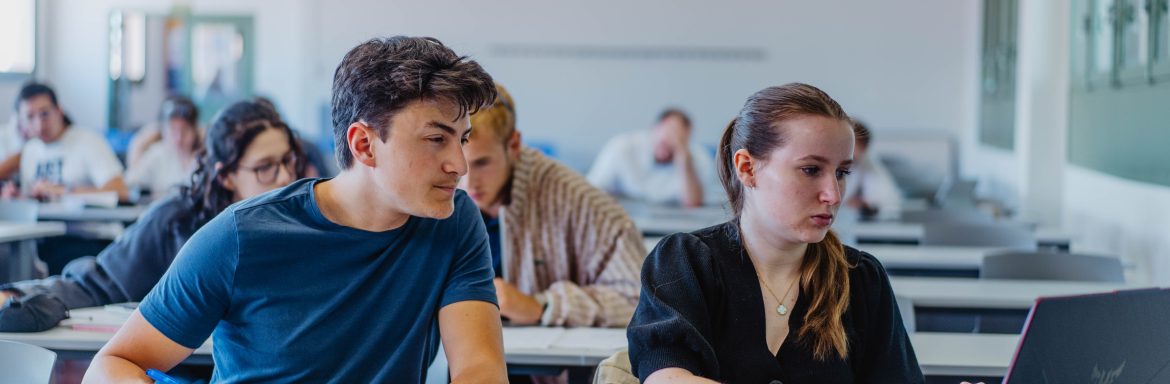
column 169, row 162
column 870, row 188
column 660, row 165
column 60, row 158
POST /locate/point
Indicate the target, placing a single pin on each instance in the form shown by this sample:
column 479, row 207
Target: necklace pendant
column 782, row 310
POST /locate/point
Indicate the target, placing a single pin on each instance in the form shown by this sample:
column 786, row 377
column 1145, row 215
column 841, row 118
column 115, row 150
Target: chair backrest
column 1048, row 265
column 615, row 369
column 952, row 215
column 24, row 363
column 20, row 211
column 979, row 235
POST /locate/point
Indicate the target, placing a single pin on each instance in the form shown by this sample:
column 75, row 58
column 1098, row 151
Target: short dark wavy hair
column 378, row 78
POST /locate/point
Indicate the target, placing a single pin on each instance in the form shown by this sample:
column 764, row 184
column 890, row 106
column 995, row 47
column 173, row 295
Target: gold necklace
column 780, row 309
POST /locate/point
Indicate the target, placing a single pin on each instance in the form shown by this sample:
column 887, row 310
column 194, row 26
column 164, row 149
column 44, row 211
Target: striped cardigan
column 570, row 245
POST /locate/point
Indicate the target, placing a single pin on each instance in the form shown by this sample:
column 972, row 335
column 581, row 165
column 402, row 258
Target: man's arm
column 136, row 347
column 116, row 185
column 10, row 166
column 692, row 188
column 473, row 340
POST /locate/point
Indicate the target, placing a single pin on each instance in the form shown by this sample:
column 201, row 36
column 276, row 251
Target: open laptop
column 1112, row 338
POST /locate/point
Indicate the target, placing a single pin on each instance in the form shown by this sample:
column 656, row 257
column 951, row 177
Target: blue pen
column 162, row 378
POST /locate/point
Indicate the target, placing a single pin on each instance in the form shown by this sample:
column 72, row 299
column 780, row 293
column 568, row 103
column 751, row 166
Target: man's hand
column 45, row 190
column 4, row 296
column 519, row 308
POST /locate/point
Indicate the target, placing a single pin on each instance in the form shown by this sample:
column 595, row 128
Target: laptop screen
column 1111, row 338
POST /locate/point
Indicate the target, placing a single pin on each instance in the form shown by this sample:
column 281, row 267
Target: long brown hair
column 824, row 272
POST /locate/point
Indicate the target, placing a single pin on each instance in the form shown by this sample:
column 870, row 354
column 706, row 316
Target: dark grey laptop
column 1112, row 338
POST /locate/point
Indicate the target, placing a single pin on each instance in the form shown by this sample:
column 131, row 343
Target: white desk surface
column 929, row 257
column 964, row 354
column 661, row 220
column 910, row 256
column 66, row 338
column 882, row 231
column 944, row 292
column 12, row 231
column 938, row 353
column 59, row 212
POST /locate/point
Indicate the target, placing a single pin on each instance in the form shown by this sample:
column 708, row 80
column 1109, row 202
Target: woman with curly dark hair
column 247, row 151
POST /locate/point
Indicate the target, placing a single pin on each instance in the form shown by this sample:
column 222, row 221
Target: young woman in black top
column 772, row 296
column 248, row 150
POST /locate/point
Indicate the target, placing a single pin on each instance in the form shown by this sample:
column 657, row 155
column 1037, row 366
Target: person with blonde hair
column 565, row 253
column 773, row 295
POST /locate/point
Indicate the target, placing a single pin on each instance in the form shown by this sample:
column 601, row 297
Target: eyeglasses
column 267, row 172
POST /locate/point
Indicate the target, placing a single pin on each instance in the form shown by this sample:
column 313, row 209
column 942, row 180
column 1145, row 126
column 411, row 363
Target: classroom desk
column 20, row 238
column 964, row 354
column 59, row 212
column 890, row 232
column 948, row 261
column 577, row 349
column 941, row 292
column 659, row 220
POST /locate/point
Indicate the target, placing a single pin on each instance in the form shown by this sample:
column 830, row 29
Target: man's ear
column 360, row 138
column 745, row 167
column 513, row 145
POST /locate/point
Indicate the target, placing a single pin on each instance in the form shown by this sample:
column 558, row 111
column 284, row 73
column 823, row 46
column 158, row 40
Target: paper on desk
column 531, row 337
column 604, row 339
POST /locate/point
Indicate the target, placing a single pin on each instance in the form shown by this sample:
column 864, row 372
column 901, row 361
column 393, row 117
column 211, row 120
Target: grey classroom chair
column 1047, row 265
column 978, row 235
column 24, row 363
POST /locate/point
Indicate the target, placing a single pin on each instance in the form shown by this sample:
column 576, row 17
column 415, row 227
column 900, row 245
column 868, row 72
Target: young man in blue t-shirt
column 350, row 279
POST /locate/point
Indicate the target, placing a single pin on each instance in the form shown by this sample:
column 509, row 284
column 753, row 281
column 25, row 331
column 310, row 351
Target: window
column 17, row 36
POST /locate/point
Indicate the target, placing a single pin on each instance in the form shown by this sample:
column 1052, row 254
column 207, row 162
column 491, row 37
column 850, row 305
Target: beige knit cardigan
column 570, row 244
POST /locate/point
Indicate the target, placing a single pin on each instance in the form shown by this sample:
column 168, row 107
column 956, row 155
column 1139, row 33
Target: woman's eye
column 842, row 173
column 811, row 171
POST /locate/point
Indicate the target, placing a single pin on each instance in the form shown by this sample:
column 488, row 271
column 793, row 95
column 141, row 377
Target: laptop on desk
column 1112, row 338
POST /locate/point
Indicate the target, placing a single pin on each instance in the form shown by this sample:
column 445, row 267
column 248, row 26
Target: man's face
column 419, row 165
column 490, row 159
column 669, row 134
column 41, row 118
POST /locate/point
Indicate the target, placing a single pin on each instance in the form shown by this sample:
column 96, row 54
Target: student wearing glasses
column 773, row 295
column 248, row 151
column 351, row 279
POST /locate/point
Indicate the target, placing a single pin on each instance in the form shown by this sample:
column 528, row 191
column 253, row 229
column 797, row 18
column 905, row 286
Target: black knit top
column 701, row 310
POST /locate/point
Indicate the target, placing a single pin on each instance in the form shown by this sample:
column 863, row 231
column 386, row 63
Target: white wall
column 1114, row 216
column 901, row 65
column 1105, row 214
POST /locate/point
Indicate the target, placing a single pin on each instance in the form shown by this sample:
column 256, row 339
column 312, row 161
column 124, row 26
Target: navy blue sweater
column 127, row 269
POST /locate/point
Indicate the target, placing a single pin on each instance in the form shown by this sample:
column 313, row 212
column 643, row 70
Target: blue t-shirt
column 294, row 297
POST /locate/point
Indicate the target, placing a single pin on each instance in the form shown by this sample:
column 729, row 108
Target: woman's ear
column 224, row 180
column 745, row 167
